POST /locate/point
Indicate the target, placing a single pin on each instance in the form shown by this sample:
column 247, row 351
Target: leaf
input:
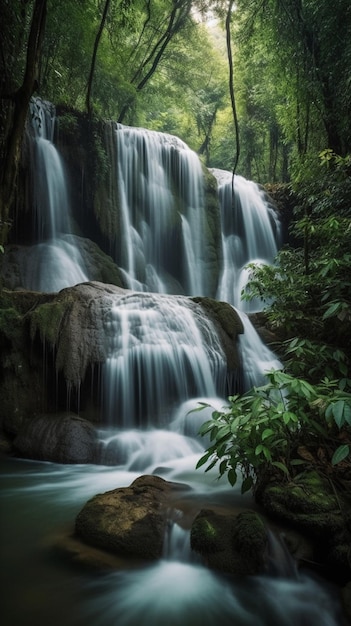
column 288, row 416
column 267, row 433
column 338, row 412
column 211, row 465
column 203, row 459
column 331, row 310
column 267, row 453
column 246, row 484
column 232, row 476
column 223, row 467
column 199, row 408
column 305, row 454
column 281, row 466
column 340, row 454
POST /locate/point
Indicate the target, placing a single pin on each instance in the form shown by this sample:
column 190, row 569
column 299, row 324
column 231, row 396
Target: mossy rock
column 129, row 521
column 235, row 544
column 314, row 507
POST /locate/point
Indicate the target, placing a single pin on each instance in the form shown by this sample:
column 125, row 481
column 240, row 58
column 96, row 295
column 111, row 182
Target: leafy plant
column 278, row 427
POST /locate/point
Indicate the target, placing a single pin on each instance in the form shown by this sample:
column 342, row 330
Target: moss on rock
column 231, row 543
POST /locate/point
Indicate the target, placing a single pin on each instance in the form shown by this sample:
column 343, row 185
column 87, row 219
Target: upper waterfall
column 163, row 240
column 250, row 234
column 166, row 241
column 55, row 260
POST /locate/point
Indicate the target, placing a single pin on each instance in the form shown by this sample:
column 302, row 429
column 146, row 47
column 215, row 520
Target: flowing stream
column 163, row 359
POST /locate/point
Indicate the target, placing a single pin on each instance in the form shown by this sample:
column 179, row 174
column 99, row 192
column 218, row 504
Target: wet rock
column 236, row 544
column 129, row 521
column 314, row 507
column 18, row 263
column 61, row 438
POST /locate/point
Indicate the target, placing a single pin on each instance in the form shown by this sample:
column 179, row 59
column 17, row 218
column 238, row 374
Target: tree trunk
column 18, row 112
column 231, row 88
column 93, row 60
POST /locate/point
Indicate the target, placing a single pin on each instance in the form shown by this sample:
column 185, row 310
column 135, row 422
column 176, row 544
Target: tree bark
column 177, row 18
column 231, row 88
column 18, row 112
column 93, row 60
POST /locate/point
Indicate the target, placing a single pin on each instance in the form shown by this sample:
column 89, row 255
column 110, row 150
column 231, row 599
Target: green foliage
column 307, row 292
column 279, row 429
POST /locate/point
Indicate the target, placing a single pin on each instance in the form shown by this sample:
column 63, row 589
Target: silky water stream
column 162, row 360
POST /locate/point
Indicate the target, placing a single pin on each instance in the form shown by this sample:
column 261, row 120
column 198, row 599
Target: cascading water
column 162, row 351
column 161, row 193
column 250, row 234
column 55, row 261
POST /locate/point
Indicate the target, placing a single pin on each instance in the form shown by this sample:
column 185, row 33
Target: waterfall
column 158, row 359
column 250, row 234
column 55, row 260
column 162, row 242
column 165, row 244
column 162, row 351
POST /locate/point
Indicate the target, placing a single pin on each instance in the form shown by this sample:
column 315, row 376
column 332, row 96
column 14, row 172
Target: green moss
column 204, row 535
column 10, row 323
column 249, row 533
column 47, row 320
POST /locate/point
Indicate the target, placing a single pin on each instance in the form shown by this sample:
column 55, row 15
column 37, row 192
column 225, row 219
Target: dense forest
column 263, row 86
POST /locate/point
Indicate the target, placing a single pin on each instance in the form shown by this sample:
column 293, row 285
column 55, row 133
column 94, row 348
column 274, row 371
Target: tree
column 168, row 26
column 93, row 60
column 17, row 114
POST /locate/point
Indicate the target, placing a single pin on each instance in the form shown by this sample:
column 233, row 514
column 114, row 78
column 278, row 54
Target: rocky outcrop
column 61, row 438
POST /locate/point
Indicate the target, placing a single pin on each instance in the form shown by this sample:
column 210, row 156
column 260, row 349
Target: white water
column 54, row 262
column 250, row 234
column 163, row 351
column 160, row 184
column 39, row 502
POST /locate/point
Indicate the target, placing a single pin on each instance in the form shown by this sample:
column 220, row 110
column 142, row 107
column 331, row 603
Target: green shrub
column 278, row 427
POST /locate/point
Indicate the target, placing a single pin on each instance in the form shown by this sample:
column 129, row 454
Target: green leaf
column 223, row 467
column 281, row 466
column 288, row 416
column 331, row 310
column 267, row 433
column 203, row 459
column 211, row 465
column 340, row 454
column 202, row 406
column 232, row 476
column 338, row 412
column 246, row 484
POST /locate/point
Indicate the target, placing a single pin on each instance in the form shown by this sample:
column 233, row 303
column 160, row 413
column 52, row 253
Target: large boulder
column 130, row 520
column 61, row 438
